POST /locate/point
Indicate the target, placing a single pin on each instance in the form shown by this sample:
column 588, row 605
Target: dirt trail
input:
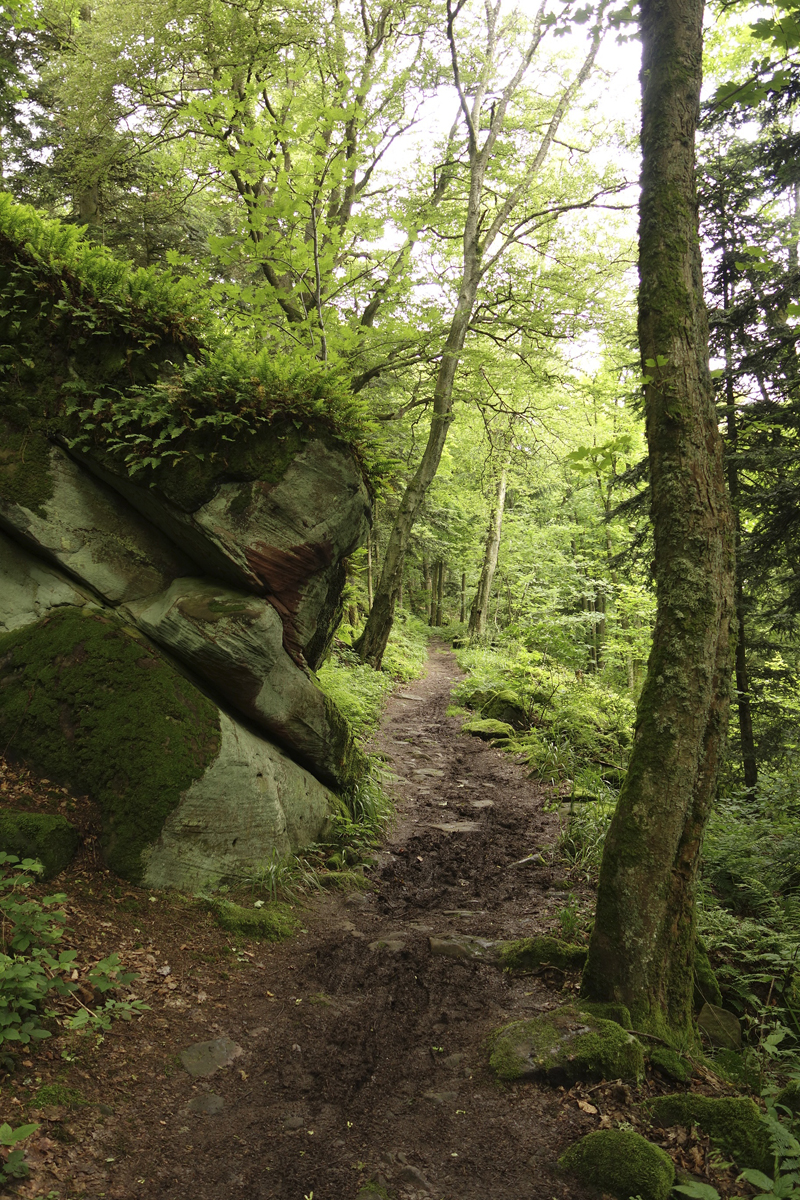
column 362, row 1053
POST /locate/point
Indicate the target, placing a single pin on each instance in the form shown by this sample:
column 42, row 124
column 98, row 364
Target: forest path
column 360, row 1053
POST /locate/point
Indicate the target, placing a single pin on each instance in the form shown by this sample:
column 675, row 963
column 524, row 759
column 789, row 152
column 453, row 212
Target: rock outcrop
column 159, row 628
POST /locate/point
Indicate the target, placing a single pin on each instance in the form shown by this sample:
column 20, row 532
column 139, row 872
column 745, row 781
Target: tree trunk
column 462, row 612
column 479, row 613
column 428, row 585
column 369, row 572
column 642, row 947
column 440, row 595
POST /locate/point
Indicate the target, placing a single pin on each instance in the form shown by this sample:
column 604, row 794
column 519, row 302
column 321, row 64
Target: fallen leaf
column 586, row 1107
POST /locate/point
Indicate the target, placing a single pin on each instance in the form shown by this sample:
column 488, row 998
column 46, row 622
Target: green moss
column 273, row 923
column 527, row 954
column 607, row 1011
column 670, row 1063
column 733, row 1122
column 789, row 1097
column 92, row 707
column 488, row 729
column 622, row 1163
column 706, row 988
column 563, row 1046
column 25, row 475
column 47, row 836
column 740, row 1067
column 59, row 1094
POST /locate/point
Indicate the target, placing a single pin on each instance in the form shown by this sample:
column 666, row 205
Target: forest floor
column 356, row 1056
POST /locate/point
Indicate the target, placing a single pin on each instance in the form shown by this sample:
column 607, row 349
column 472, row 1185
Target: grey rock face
column 251, row 801
column 284, row 540
column 29, row 589
column 235, row 641
column 88, row 531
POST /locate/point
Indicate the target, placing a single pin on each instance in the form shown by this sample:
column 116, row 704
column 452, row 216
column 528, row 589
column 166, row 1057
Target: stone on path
column 204, row 1058
column 456, row 826
column 210, row 1104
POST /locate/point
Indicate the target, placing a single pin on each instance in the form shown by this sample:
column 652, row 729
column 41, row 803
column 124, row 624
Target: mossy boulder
column 188, row 797
column 671, row 1064
column 88, row 702
column 734, row 1123
column 505, row 706
column 564, row 1046
column 487, row 729
column 526, row 954
column 91, row 533
column 621, row 1163
column 273, row 923
column 47, row 836
column 607, row 1010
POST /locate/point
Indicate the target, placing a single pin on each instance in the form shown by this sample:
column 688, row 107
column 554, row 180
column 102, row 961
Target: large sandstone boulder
column 89, row 701
column 177, row 513
column 235, row 642
column 283, row 536
column 86, row 529
column 29, row 589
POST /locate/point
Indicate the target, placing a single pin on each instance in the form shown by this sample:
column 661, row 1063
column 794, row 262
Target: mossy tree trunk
column 642, row 946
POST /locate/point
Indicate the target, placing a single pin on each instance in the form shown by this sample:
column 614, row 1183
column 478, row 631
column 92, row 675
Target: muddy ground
column 357, row 1055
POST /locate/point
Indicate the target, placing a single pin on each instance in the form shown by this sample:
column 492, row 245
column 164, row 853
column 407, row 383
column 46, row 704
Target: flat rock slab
column 456, row 826
column 204, row 1058
column 461, row 945
column 210, row 1104
column 408, row 696
column 481, row 803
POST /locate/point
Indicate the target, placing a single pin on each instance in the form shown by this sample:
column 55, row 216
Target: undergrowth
column 39, row 984
column 568, row 726
column 748, row 910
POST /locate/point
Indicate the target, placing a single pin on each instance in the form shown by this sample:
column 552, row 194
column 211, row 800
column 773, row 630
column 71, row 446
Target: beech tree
column 496, row 120
column 642, row 947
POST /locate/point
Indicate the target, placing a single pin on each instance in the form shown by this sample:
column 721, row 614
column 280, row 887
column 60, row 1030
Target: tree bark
column 642, row 947
column 462, row 613
column 479, row 613
column 440, row 595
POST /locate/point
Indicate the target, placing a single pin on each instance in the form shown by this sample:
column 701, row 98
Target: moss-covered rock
column 789, row 1097
column 487, row 729
column 88, row 702
column 621, row 1163
column 607, row 1011
column 505, row 706
column 734, row 1123
column 47, row 836
column 526, row 954
column 671, row 1064
column 563, row 1046
column 706, row 988
column 273, row 923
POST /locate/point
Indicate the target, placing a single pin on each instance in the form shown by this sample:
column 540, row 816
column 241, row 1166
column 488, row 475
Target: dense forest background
column 436, row 207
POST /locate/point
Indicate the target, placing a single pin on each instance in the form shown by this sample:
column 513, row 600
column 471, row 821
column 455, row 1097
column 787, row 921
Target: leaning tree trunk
column 642, row 947
column 479, row 613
